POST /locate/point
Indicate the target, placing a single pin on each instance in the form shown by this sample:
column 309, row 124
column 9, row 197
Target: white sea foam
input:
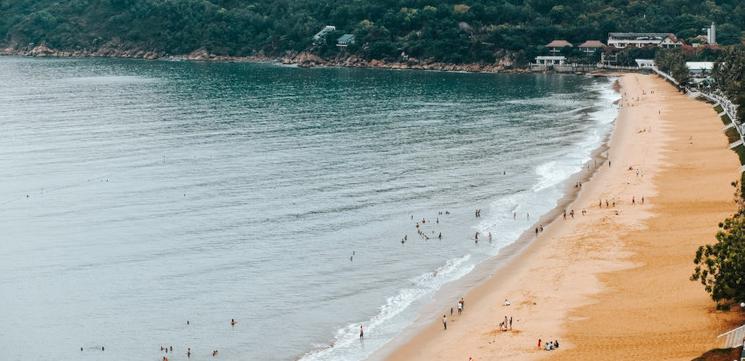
column 539, row 199
column 378, row 328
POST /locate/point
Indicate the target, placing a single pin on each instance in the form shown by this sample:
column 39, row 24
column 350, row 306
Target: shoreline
column 299, row 59
column 488, row 270
column 562, row 271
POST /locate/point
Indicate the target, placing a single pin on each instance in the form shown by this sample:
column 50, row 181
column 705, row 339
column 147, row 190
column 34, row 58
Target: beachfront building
column 589, row 47
column 345, row 40
column 645, row 63
column 699, row 70
column 321, row 35
column 547, row 62
column 670, row 42
column 555, row 46
column 640, row 40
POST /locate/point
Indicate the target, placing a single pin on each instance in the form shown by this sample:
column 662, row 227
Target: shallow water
column 138, row 195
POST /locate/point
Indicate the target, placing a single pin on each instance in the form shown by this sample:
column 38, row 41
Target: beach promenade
column 612, row 284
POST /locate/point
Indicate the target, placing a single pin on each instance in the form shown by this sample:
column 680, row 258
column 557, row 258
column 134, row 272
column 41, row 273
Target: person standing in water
column 362, row 332
column 445, row 322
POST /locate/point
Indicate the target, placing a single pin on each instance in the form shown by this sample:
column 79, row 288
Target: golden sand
column 612, row 284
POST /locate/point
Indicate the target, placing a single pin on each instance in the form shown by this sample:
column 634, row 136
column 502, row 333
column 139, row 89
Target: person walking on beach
column 445, row 322
column 633, row 200
column 539, row 343
column 460, row 308
column 510, row 323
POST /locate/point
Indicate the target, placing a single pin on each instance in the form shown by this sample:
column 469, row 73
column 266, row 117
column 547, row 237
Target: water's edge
column 481, row 273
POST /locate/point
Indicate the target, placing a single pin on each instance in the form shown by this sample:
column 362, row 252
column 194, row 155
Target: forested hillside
column 448, row 31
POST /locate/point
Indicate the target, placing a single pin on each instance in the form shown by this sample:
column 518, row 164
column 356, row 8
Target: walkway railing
column 734, row 338
column 719, row 99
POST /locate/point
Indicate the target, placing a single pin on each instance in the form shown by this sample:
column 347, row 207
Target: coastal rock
column 199, row 54
column 306, row 59
column 41, row 50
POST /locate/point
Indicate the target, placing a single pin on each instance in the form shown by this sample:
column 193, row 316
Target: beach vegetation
column 720, row 267
column 740, row 151
column 732, row 135
column 673, row 62
column 729, row 76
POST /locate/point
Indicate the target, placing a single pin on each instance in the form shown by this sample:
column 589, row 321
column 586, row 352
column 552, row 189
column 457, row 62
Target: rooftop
column 592, row 44
column 345, row 39
column 558, row 44
column 700, row 65
column 639, row 36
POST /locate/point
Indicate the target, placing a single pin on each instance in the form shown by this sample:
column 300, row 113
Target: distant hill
column 446, row 31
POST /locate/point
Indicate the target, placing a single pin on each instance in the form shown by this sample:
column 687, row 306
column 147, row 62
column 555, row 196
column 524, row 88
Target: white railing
column 734, row 338
column 717, row 97
column 665, row 75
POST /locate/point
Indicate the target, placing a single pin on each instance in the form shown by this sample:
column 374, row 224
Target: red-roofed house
column 590, row 46
column 555, row 46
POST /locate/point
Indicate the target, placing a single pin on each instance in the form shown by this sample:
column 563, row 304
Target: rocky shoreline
column 301, row 59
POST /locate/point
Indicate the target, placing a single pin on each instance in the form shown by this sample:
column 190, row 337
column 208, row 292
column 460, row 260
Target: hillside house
column 640, row 40
column 555, row 46
column 590, row 46
column 345, row 40
column 321, row 35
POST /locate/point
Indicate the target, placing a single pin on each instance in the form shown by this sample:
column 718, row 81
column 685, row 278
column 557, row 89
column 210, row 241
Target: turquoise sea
column 137, row 196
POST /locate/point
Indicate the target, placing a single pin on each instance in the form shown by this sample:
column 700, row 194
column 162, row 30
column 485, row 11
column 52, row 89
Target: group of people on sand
column 506, row 325
column 550, row 345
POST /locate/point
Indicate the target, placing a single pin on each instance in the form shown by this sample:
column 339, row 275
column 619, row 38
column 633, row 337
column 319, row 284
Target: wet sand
column 612, row 284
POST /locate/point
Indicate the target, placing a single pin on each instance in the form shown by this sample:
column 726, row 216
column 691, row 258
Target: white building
column 700, row 68
column 711, row 34
column 322, row 34
column 550, row 60
column 345, row 40
column 639, row 40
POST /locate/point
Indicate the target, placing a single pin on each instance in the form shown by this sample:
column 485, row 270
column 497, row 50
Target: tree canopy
column 443, row 30
column 720, row 267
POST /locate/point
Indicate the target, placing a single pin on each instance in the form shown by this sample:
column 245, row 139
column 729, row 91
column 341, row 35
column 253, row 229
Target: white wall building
column 639, row 40
column 321, row 34
column 550, row 60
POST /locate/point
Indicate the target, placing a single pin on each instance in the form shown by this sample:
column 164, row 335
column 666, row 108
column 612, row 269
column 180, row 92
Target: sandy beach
column 612, row 284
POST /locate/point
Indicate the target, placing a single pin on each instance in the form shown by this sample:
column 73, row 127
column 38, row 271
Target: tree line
column 477, row 31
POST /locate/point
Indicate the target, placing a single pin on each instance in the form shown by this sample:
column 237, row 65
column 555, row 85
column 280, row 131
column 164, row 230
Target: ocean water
column 136, row 196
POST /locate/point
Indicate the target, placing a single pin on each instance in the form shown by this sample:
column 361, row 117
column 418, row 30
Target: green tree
column 720, row 267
